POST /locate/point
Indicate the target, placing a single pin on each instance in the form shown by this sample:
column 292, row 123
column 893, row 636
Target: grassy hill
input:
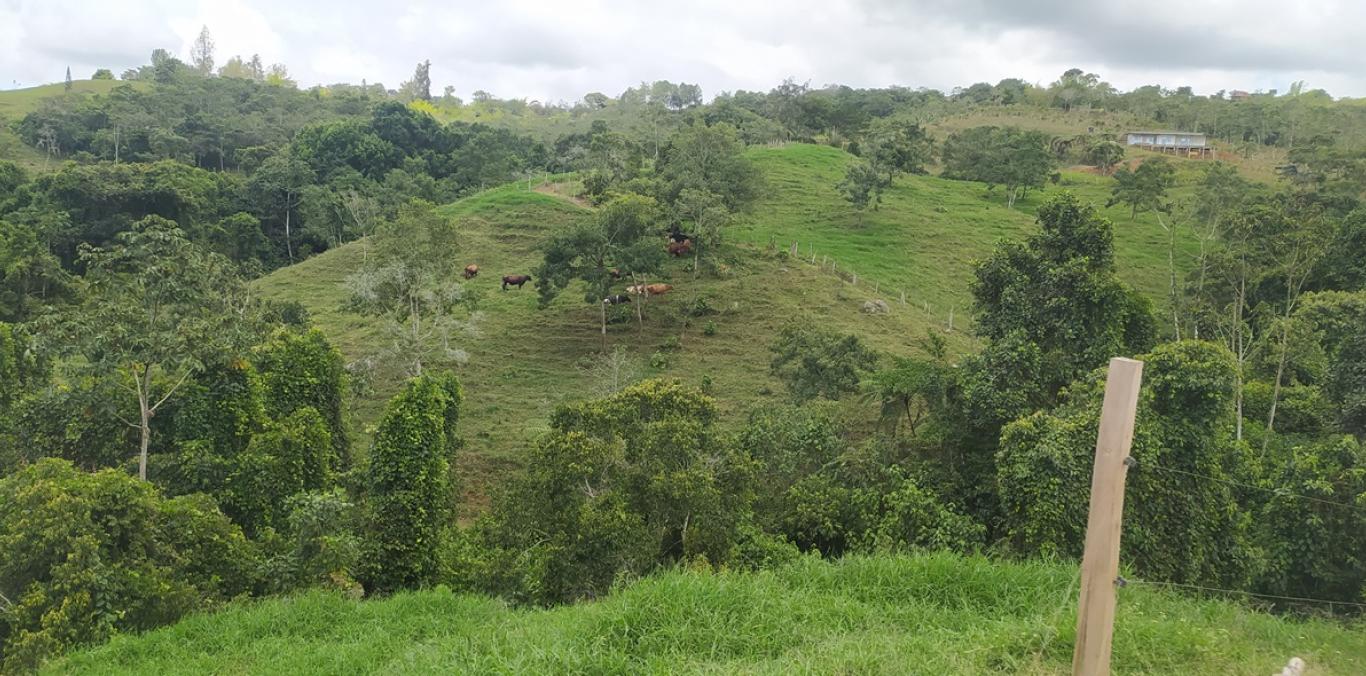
column 932, row 614
column 16, row 103
column 524, row 360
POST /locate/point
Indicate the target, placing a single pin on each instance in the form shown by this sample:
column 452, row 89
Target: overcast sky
column 554, row 50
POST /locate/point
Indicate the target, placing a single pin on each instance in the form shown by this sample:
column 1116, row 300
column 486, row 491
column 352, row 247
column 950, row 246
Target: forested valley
column 258, row 340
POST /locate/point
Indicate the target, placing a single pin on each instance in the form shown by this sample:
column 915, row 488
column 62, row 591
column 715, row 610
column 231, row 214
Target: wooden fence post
column 1100, row 559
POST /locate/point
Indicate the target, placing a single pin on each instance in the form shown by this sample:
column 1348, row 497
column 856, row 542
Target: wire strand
column 1276, row 491
column 1301, row 599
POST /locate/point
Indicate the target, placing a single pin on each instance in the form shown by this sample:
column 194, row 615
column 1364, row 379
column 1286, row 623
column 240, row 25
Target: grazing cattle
column 616, row 299
column 515, row 280
column 650, row 289
column 614, row 273
column 471, row 271
column 678, row 249
column 679, row 236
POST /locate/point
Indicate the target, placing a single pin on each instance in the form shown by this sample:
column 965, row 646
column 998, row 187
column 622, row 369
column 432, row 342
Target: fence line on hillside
column 828, row 264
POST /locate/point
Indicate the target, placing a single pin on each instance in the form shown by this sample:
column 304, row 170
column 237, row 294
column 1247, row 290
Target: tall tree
column 410, row 279
column 1144, row 188
column 1059, row 290
column 623, row 236
column 201, row 52
column 279, row 184
column 1013, row 158
column 420, row 87
column 155, row 306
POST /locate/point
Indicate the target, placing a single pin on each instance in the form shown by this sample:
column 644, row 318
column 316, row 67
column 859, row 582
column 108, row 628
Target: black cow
column 616, row 299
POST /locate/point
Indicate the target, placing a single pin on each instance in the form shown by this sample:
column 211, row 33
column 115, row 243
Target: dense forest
column 170, row 441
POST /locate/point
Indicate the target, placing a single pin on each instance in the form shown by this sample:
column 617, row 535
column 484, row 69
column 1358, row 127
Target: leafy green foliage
column 1178, row 527
column 623, row 237
column 303, row 370
column 709, row 159
column 155, row 306
column 1059, row 288
column 1315, row 548
column 409, row 484
column 818, row 362
column 1015, row 159
column 410, row 280
column 620, row 486
column 862, row 186
column 85, row 555
column 1144, row 188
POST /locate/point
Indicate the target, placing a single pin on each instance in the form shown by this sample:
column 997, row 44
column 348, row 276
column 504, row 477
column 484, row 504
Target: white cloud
column 549, row 50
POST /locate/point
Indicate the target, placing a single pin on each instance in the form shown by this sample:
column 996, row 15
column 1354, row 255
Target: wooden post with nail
column 1100, row 559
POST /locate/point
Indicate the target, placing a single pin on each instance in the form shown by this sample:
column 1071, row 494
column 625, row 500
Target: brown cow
column 515, row 280
column 614, row 273
column 650, row 289
column 680, row 249
column 471, row 271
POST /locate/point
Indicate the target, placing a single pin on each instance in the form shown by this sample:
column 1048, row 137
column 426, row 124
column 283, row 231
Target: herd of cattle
column 680, row 244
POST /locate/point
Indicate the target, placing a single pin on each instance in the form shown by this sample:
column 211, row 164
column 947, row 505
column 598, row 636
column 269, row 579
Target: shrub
column 408, row 482
column 709, row 329
column 816, row 362
column 620, row 485
column 85, row 555
column 1177, row 527
column 302, row 370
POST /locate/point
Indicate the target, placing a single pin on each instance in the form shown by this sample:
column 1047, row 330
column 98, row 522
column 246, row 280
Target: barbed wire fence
column 1332, row 605
column 949, row 321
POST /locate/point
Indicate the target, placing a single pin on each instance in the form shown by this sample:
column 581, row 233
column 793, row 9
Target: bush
column 620, row 486
column 302, row 370
column 816, row 362
column 324, row 547
column 85, row 555
column 709, row 329
column 1180, row 528
column 409, row 484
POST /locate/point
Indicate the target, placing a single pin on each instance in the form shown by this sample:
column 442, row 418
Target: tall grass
column 929, row 614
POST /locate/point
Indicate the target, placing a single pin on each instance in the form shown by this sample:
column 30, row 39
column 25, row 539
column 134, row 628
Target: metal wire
column 1300, row 599
column 1275, row 491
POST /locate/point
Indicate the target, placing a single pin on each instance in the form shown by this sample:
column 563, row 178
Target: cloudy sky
column 560, row 49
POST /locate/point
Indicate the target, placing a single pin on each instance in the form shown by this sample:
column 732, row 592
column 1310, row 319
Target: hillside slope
column 928, row 231
column 932, row 614
column 524, row 360
column 16, row 103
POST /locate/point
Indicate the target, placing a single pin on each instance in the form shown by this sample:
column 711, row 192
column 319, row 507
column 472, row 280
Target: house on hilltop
column 1191, row 144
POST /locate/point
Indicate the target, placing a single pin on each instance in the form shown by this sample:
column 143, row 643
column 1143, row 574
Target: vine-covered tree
column 409, row 482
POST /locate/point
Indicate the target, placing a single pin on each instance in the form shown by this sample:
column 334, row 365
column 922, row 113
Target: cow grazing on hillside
column 515, row 280
column 616, row 299
column 680, row 249
column 614, row 273
column 679, row 236
column 650, row 289
column 471, row 271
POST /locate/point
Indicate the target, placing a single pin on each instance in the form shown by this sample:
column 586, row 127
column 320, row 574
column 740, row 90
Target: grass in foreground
column 931, row 614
